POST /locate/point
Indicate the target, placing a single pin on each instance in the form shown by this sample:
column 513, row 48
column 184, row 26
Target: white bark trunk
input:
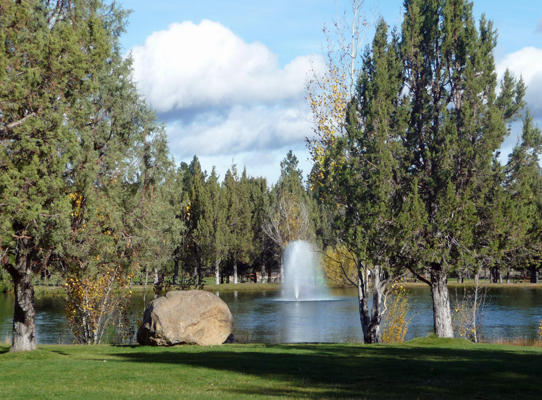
column 235, row 272
column 217, row 272
column 442, row 317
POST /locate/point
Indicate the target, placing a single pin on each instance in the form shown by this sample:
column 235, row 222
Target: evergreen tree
column 366, row 182
column 455, row 125
column 521, row 226
column 49, row 58
column 416, row 169
column 211, row 230
column 193, row 245
column 264, row 249
column 238, row 218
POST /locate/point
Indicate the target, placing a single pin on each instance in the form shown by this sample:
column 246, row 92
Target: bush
column 395, row 318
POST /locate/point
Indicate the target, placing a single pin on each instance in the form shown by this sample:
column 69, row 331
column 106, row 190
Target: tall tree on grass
column 366, row 183
column 47, row 55
column 431, row 137
column 456, row 123
column 81, row 159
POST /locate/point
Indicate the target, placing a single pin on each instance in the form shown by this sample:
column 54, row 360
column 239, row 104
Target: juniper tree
column 365, row 179
column 47, row 55
column 83, row 158
column 427, row 139
column 455, row 124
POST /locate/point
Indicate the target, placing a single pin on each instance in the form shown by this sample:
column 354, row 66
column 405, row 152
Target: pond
column 259, row 317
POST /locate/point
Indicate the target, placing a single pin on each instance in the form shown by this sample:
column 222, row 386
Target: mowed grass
column 426, row 368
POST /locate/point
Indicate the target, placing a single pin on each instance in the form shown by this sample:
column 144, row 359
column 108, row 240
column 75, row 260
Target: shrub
column 395, row 318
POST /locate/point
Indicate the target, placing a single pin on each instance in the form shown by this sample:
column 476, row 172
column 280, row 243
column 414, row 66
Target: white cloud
column 526, row 62
column 223, row 98
column 189, row 66
column 242, row 129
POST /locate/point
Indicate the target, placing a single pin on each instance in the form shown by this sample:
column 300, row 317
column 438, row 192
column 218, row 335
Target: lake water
column 259, row 317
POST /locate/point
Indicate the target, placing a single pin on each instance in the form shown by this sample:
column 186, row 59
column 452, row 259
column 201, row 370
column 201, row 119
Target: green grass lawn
column 420, row 369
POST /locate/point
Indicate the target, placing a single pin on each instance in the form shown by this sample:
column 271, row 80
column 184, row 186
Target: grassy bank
column 421, row 369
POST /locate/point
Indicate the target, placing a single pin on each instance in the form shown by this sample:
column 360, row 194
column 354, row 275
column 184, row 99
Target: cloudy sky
column 227, row 77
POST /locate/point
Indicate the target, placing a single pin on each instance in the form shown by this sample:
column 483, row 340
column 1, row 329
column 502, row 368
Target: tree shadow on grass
column 346, row 371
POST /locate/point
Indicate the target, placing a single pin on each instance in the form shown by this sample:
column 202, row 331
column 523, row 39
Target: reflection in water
column 259, row 317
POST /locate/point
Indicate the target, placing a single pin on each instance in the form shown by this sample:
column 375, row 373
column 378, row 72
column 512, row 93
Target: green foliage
column 85, row 176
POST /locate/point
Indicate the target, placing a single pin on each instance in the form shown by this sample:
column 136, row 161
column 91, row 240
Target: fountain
column 303, row 278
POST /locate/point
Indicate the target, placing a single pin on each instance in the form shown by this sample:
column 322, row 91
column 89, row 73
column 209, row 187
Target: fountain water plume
column 303, row 280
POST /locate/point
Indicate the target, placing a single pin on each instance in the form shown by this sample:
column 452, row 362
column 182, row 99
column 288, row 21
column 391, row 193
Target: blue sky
column 227, row 78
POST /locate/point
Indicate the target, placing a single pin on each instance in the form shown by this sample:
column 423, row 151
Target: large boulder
column 192, row 317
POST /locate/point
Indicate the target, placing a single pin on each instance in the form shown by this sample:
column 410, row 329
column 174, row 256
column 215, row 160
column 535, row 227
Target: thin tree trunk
column 24, row 314
column 217, row 272
column 474, row 310
column 235, row 272
column 534, row 274
column 176, row 272
column 370, row 320
column 263, row 273
column 442, row 317
column 499, row 275
column 507, row 274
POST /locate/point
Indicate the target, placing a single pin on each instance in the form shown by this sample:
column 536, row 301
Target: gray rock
column 191, row 317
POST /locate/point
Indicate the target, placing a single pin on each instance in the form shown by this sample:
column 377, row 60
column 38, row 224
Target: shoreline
column 274, row 287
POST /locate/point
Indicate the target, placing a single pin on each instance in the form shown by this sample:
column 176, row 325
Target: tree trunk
column 370, row 321
column 442, row 317
column 235, row 272
column 217, row 272
column 499, row 275
column 24, row 314
column 176, row 272
column 534, row 274
column 508, row 274
column 263, row 273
